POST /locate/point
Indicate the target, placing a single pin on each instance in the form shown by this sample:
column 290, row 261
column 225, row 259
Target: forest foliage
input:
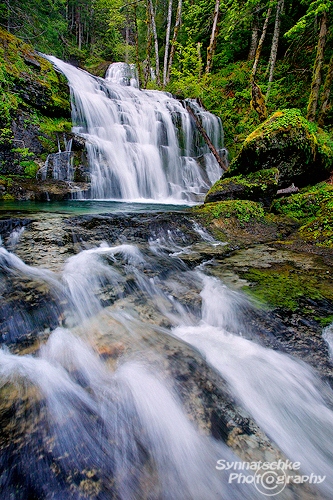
column 244, row 59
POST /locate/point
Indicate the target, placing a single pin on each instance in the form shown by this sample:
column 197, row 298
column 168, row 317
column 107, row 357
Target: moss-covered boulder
column 258, row 186
column 301, row 152
column 313, row 209
column 29, row 80
column 34, row 107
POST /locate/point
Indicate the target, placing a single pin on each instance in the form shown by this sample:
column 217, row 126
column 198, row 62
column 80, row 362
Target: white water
column 127, row 422
column 142, row 145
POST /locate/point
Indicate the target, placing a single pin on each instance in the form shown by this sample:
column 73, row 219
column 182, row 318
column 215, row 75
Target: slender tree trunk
column 167, row 43
column 153, row 26
column 207, row 139
column 260, row 44
column 78, row 27
column 136, row 41
column 275, row 43
column 126, row 40
column 174, row 38
column 254, row 38
column 326, row 93
column 199, row 59
column 316, row 77
column 149, row 43
column 213, row 38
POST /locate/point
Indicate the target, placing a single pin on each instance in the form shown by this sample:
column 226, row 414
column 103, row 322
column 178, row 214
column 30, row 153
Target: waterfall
column 141, row 144
column 59, row 165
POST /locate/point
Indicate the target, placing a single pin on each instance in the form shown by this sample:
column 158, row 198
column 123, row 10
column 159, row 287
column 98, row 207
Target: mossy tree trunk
column 174, row 38
column 317, row 69
column 254, row 37
column 136, row 41
column 326, row 93
column 213, row 37
column 167, row 43
column 146, row 68
column 260, row 44
column 275, row 43
column 154, row 31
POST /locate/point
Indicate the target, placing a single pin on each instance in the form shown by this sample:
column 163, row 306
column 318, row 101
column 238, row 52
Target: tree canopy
column 208, row 49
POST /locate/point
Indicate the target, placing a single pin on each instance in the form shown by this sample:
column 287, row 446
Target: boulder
column 300, row 151
column 259, row 186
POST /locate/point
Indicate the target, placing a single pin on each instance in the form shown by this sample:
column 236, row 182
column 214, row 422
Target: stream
column 129, row 367
column 129, row 371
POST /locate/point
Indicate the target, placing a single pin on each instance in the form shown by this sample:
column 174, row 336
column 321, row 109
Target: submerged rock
column 290, row 143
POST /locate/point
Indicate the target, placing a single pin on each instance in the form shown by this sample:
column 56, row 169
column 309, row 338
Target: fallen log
column 207, row 139
column 289, row 190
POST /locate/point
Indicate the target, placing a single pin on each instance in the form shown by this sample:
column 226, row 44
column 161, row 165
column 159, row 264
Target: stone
column 259, row 186
column 286, row 141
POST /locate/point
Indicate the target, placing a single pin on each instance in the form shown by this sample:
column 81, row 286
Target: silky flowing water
column 96, row 411
column 127, row 370
column 141, row 145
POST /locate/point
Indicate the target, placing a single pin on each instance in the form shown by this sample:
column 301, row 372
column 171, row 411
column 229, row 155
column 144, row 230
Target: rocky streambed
column 274, row 294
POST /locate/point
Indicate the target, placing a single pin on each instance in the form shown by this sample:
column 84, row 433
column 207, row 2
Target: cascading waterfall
column 141, row 144
column 94, row 429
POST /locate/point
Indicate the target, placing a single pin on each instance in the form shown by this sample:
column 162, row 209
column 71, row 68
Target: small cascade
column 111, row 405
column 141, row 145
column 121, row 73
column 59, row 165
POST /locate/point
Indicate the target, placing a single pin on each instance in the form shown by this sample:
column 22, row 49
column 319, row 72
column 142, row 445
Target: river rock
column 290, row 143
column 258, row 186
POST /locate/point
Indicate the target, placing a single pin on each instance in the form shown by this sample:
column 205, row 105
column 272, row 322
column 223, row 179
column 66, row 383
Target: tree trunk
column 126, row 40
column 213, row 38
column 174, row 38
column 326, row 93
column 167, row 43
column 260, row 44
column 316, row 77
column 275, row 43
column 258, row 101
column 207, row 139
column 78, row 28
column 153, row 26
column 254, row 38
column 199, row 59
column 136, row 41
column 149, row 42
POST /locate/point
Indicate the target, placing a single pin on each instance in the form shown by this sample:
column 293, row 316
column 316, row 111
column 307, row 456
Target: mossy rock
column 34, row 109
column 258, row 186
column 30, row 80
column 313, row 209
column 301, row 152
column 243, row 210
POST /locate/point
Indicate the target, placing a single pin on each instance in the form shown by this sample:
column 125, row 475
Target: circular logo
column 270, row 482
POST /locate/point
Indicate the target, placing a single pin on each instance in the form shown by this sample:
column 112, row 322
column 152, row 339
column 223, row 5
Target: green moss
column 20, row 68
column 6, row 180
column 306, row 203
column 30, row 168
column 50, row 126
column 8, row 197
column 285, row 286
column 313, row 208
column 287, row 141
column 256, row 186
column 327, row 320
column 243, row 210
